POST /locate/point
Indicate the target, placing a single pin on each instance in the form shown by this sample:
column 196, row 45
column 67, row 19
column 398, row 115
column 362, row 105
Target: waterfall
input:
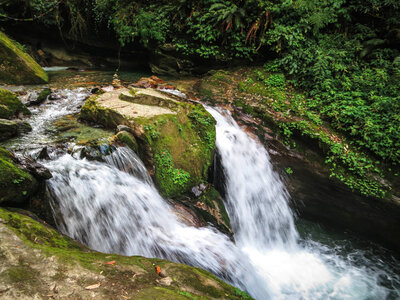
column 114, row 212
column 257, row 201
column 263, row 224
column 114, row 207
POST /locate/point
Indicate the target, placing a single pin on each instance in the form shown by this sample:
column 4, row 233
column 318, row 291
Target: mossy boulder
column 11, row 106
column 18, row 67
column 16, row 184
column 38, row 262
column 175, row 136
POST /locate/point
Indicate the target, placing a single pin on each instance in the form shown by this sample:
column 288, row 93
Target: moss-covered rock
column 11, row 106
column 16, row 66
column 42, row 96
column 16, row 185
column 178, row 137
column 128, row 139
column 38, row 262
column 212, row 202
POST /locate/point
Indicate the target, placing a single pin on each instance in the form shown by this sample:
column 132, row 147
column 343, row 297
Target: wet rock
column 92, row 153
column 52, row 268
column 128, row 139
column 152, row 82
column 43, row 154
column 109, row 88
column 39, row 99
column 187, row 216
column 55, row 96
column 165, row 60
column 145, row 83
column 124, row 128
column 94, row 90
column 39, row 171
column 159, row 123
column 198, row 190
column 12, row 128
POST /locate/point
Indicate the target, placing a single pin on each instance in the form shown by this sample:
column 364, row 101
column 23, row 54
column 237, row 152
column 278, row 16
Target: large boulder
column 175, row 136
column 37, row 262
column 16, row 66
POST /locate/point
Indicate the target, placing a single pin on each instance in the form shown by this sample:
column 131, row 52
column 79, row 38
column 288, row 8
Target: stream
column 114, row 207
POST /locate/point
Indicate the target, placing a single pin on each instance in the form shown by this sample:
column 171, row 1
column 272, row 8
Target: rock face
column 174, row 136
column 316, row 196
column 37, row 262
column 16, row 66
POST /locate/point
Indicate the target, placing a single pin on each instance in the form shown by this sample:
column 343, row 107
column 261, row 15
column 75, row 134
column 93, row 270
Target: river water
column 113, row 206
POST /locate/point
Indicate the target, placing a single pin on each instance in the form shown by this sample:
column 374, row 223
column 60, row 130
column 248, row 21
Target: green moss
column 33, row 232
column 160, row 293
column 221, row 75
column 182, row 146
column 128, row 139
column 43, row 95
column 16, row 185
column 173, row 182
column 10, row 106
column 203, row 282
column 17, row 66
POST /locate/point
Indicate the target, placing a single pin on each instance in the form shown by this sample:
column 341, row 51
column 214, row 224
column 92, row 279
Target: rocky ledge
column 36, row 262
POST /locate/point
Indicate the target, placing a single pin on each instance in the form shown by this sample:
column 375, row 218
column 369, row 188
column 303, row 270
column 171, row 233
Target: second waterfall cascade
column 114, row 207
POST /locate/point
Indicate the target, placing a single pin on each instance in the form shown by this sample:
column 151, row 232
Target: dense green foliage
column 342, row 54
column 345, row 55
column 296, row 116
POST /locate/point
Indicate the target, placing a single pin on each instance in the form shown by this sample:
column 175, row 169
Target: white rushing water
column 69, row 102
column 257, row 203
column 115, row 207
column 114, row 212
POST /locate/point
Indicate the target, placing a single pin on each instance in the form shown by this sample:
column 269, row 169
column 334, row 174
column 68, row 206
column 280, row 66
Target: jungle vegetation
column 343, row 54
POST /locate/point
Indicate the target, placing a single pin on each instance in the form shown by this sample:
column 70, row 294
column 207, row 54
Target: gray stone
column 124, row 128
